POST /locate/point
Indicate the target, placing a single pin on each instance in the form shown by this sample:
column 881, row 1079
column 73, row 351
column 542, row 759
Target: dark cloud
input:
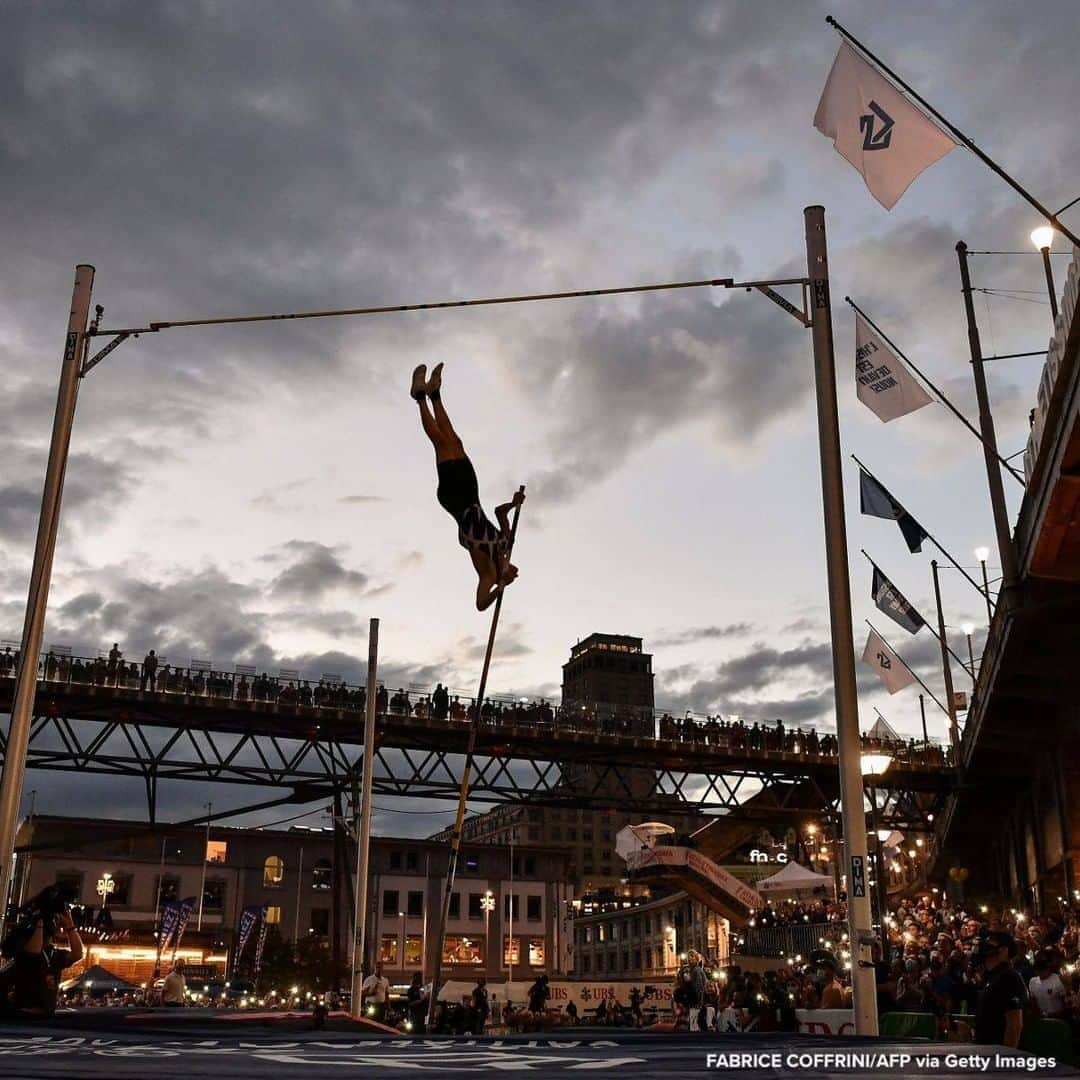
column 314, row 570
column 704, row 633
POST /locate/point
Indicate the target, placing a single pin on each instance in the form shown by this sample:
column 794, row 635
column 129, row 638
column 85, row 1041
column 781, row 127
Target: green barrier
column 906, row 1025
column 1048, row 1038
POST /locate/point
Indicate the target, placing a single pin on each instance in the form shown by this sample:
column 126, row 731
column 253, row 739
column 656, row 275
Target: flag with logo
column 875, row 501
column 882, row 381
column 891, row 600
column 187, row 906
column 876, row 128
column 890, row 668
column 248, row 917
column 262, row 939
column 170, row 916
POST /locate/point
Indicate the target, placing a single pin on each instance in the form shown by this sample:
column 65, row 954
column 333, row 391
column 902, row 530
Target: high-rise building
column 609, row 674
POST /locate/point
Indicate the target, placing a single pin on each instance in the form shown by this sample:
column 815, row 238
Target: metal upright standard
column 860, row 930
column 22, row 708
column 1009, row 566
column 946, row 668
column 363, row 838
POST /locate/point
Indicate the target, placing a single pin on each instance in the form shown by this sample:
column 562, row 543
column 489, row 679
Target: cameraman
column 30, row 983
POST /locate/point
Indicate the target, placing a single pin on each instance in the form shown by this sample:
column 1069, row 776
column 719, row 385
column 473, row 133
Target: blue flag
column 877, row 502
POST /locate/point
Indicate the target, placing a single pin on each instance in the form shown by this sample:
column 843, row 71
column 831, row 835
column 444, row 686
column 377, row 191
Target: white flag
column 882, row 379
column 887, row 664
column 876, row 128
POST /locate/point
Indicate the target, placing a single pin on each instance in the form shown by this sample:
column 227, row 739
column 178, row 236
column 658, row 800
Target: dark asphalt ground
column 114, row 1044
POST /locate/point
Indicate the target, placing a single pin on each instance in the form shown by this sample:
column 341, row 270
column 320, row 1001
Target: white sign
column 694, row 860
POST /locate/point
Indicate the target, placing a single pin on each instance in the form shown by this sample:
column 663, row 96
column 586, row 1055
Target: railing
column 789, row 941
column 289, row 688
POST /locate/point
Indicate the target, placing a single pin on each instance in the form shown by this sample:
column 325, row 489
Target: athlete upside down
column 459, row 495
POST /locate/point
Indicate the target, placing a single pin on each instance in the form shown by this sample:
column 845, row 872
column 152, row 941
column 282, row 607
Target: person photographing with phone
column 44, row 942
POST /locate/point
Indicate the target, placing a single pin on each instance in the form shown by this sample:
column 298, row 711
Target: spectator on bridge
column 382, row 700
column 149, row 672
column 114, row 659
column 440, row 701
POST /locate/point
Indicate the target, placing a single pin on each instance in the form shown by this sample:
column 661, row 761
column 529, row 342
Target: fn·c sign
column 858, row 876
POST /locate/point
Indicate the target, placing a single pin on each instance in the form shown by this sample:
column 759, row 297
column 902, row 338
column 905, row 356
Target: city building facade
column 509, row 913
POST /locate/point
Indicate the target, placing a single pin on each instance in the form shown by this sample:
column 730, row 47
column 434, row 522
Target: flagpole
column 455, row 836
column 929, row 536
column 925, row 623
column 1010, row 571
column 954, row 737
column 860, row 919
column 363, row 836
column 941, row 396
column 911, row 670
column 956, row 132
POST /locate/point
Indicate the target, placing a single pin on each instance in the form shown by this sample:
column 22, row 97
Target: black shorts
column 458, row 489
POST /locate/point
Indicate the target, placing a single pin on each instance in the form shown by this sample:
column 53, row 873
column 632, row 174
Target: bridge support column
column 1068, row 806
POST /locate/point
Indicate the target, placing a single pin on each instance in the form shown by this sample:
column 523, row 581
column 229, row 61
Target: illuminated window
column 511, row 951
column 463, row 950
column 388, row 949
column 536, row 952
column 273, row 871
column 216, row 850
column 273, row 915
column 414, row 950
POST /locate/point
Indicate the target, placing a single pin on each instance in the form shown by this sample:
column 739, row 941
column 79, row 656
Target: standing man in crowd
column 174, row 990
column 149, row 671
column 999, row 1018
column 375, row 992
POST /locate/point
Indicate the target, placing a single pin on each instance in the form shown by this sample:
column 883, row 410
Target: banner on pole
column 248, row 917
column 887, row 664
column 888, row 140
column 187, row 906
column 858, row 876
column 882, row 381
column 262, row 939
column 892, row 602
column 170, row 916
column 875, row 501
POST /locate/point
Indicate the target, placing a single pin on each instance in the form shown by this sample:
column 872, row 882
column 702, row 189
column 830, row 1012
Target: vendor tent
column 794, row 878
column 97, row 978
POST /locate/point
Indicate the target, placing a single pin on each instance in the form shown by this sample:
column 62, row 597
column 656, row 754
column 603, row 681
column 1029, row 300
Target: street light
column 1043, row 239
column 106, row 886
column 401, row 916
column 982, row 554
column 487, row 905
column 969, row 629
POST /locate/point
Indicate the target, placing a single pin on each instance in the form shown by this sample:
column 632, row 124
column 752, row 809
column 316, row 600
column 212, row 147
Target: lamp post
column 969, row 629
column 1043, row 239
column 401, row 916
column 871, row 766
column 106, row 886
column 982, row 554
column 487, row 905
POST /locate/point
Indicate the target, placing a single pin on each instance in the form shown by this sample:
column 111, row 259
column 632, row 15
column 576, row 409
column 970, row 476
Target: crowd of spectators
column 331, row 692
column 982, row 973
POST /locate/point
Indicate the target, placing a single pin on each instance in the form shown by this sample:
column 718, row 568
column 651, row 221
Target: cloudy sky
column 254, row 494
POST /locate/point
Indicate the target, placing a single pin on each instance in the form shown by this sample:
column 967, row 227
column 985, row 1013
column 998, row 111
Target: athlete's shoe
column 419, row 386
column 434, row 384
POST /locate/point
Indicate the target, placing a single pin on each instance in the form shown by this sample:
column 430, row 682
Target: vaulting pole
column 860, row 930
column 22, row 708
column 363, row 839
column 455, row 836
